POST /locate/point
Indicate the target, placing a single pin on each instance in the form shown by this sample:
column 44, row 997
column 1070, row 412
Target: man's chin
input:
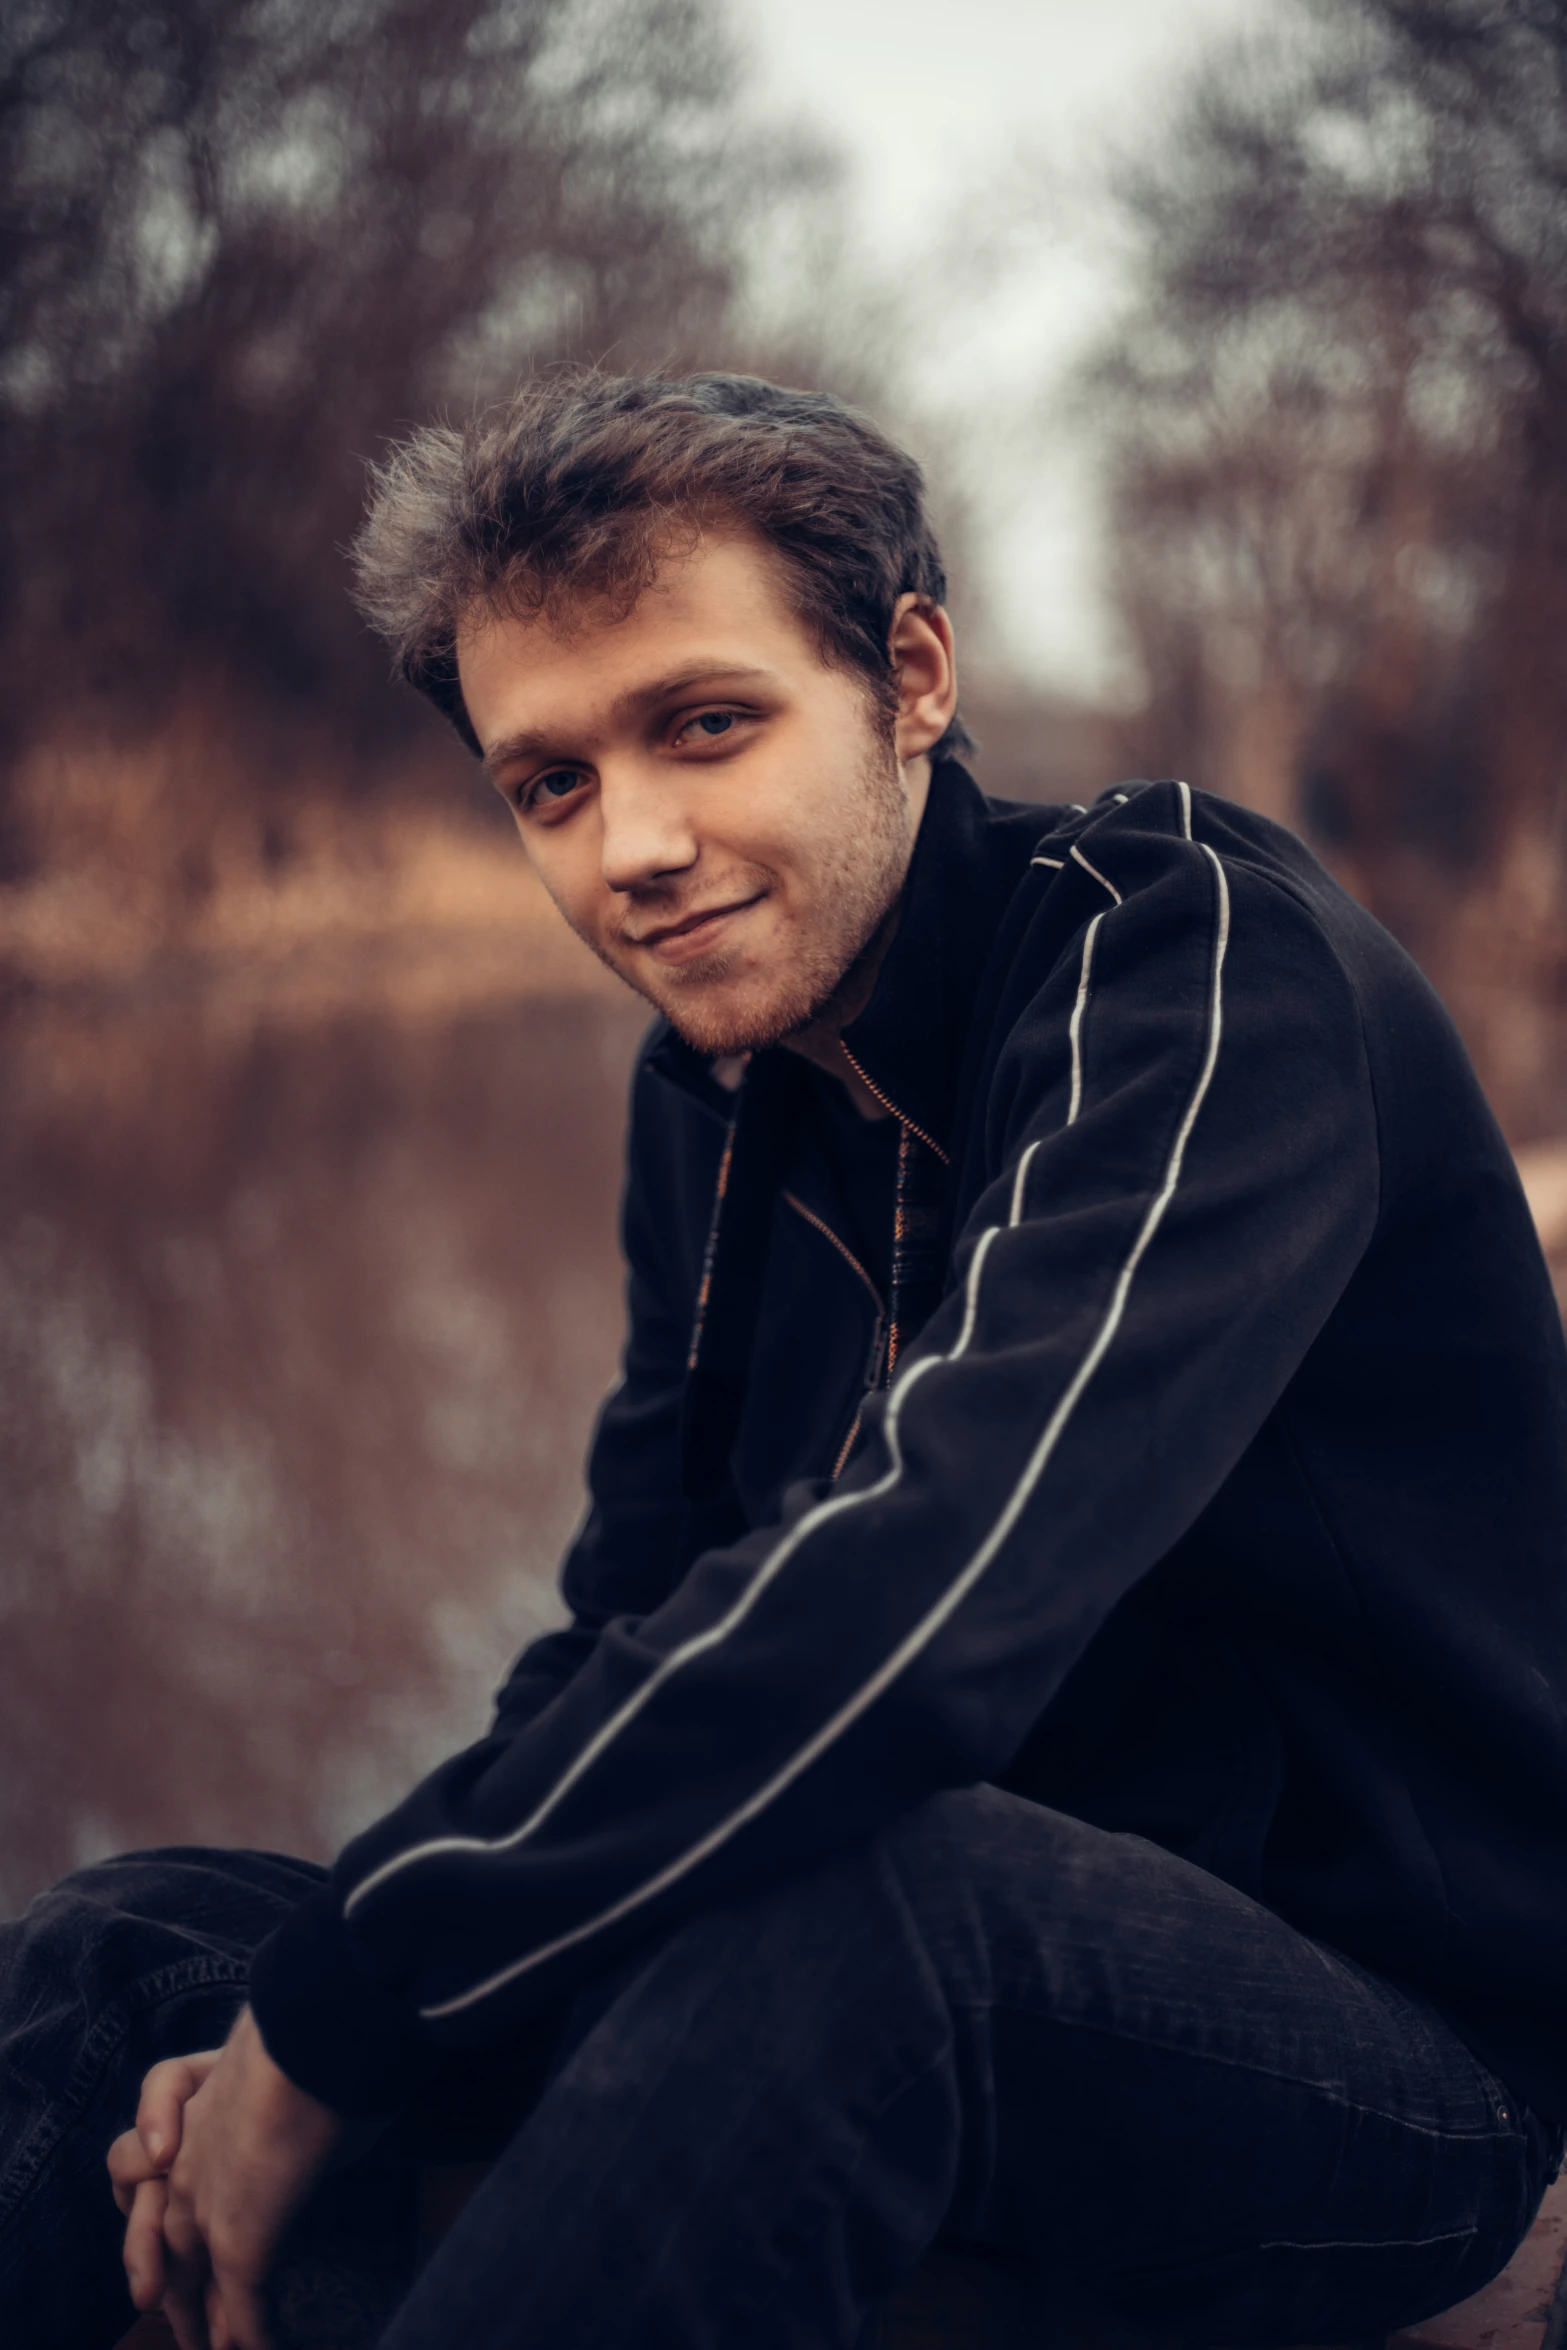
column 730, row 1002
column 722, row 1020
column 723, row 1032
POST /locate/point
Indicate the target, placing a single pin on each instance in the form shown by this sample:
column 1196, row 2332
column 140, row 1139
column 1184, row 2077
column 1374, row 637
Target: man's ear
column 925, row 664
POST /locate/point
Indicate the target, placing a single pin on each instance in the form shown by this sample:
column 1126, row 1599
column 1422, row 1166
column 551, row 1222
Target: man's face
column 716, row 812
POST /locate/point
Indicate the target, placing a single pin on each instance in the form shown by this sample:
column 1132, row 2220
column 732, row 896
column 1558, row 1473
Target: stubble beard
column 852, row 884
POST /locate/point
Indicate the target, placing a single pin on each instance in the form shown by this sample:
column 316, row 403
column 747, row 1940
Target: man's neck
column 824, row 1047
column 820, row 1041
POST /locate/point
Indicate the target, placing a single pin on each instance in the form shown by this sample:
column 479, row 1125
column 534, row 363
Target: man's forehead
column 716, row 611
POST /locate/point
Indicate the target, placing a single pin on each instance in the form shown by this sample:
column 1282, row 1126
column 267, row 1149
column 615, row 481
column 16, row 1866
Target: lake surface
column 302, row 1328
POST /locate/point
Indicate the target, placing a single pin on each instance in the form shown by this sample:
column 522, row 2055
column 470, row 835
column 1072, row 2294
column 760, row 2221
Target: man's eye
column 712, row 722
column 558, row 784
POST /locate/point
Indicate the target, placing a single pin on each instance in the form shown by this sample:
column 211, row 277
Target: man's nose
column 647, row 833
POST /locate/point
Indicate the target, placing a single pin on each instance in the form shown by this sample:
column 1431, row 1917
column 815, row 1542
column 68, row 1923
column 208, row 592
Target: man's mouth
column 693, row 934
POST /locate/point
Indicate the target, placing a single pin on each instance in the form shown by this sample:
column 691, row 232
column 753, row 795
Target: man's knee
column 974, row 1860
column 913, row 1919
column 954, row 1856
column 783, row 1964
column 1005, row 1866
column 143, row 1930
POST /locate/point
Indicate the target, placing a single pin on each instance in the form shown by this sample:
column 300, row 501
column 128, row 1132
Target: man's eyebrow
column 515, row 746
column 530, row 742
column 691, row 673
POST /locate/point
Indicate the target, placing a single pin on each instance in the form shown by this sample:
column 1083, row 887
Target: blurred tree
column 1338, row 427
column 242, row 240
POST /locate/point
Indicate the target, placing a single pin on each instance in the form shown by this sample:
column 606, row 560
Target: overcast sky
column 936, row 101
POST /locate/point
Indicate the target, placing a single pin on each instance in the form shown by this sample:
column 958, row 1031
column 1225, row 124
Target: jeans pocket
column 88, row 2061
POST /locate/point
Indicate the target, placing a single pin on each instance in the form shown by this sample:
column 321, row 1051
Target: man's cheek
column 585, row 908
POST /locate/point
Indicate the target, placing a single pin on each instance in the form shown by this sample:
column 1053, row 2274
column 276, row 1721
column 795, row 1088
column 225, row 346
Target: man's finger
column 181, row 2233
column 234, row 2314
column 187, row 2271
column 188, row 2268
column 165, row 2093
column 184, row 2306
column 143, row 2253
column 129, row 2165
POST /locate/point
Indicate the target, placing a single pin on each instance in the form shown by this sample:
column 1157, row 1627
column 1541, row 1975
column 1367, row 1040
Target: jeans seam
column 1367, row 2243
column 154, row 1990
column 1172, row 2047
column 810, row 2196
column 1148, row 2270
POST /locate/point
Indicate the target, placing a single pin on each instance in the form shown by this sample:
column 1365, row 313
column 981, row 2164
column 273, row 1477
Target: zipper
column 886, row 1337
column 841, row 1246
column 887, row 1103
column 873, row 1362
column 906, row 1130
column 847, row 1445
column 868, row 1386
column 904, row 1146
column 710, row 1249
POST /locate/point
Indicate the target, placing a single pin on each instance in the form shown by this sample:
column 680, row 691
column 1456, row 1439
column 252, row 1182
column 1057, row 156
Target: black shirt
column 862, row 1156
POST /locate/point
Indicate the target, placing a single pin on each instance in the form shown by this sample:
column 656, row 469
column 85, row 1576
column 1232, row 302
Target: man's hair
column 574, row 490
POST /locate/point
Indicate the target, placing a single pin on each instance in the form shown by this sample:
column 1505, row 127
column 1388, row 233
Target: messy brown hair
column 575, row 488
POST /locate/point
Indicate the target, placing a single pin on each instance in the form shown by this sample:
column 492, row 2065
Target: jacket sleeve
column 1184, row 1176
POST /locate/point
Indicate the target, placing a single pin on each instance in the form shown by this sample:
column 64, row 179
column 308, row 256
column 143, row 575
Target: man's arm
column 1186, row 1178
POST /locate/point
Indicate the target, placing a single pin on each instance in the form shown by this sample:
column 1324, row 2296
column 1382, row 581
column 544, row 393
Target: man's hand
column 139, row 2164
column 246, row 2144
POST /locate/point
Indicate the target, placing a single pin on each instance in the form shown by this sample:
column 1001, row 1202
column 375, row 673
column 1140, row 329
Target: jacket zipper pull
column 873, row 1358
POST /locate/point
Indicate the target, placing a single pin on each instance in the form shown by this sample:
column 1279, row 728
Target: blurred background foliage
column 246, row 240
column 1338, row 418
column 308, row 1107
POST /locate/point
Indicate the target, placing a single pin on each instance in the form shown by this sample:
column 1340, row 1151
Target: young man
column 1060, row 1743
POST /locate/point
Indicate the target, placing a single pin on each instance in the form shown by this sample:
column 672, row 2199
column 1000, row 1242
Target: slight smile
column 694, row 934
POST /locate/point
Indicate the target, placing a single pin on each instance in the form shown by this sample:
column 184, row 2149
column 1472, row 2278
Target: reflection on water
column 301, row 1332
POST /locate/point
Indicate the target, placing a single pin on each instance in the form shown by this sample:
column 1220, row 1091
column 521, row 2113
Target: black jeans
column 993, row 2027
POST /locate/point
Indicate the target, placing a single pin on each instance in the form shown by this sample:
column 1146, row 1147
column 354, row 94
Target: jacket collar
column 909, row 1040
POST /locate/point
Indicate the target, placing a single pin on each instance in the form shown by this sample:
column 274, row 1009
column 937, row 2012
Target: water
column 302, row 1327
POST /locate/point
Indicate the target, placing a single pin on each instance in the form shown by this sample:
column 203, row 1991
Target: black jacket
column 1219, row 1493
